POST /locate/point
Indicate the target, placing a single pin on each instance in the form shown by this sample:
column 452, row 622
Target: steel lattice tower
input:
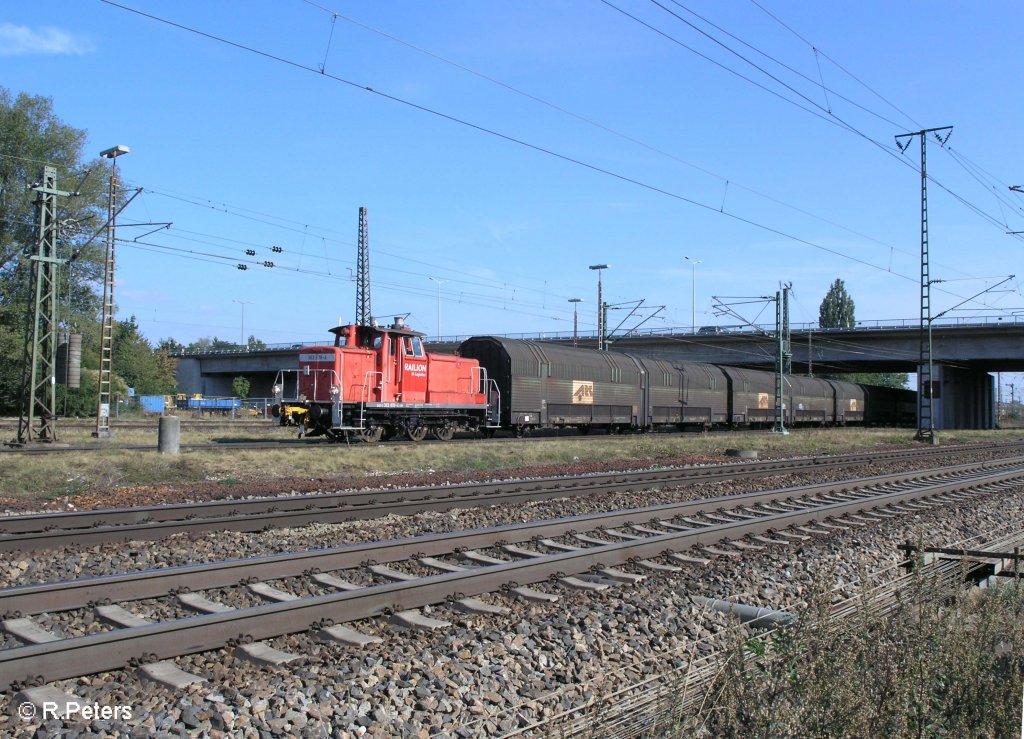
column 782, row 352
column 925, row 385
column 38, row 398
column 364, row 313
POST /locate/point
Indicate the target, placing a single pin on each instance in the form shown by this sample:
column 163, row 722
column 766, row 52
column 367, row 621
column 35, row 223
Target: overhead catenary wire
column 511, row 139
column 627, row 137
column 993, row 182
column 819, row 112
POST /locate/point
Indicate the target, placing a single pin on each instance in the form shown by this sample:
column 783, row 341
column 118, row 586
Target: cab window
column 417, row 347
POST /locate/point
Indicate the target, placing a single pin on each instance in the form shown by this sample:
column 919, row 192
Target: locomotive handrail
column 366, row 393
column 496, row 419
column 482, row 378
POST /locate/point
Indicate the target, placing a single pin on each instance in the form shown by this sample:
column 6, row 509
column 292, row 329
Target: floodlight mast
column 600, row 307
column 107, row 322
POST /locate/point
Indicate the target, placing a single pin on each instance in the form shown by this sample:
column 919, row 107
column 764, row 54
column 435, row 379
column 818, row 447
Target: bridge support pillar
column 964, row 399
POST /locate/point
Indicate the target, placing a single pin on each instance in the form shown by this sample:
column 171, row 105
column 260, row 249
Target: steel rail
column 86, row 528
column 115, row 649
column 153, row 583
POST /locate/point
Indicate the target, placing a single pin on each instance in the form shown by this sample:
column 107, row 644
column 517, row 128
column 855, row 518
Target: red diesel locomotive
column 379, row 382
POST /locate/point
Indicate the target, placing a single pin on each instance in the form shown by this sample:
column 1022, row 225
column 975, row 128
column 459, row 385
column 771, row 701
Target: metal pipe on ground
column 752, row 616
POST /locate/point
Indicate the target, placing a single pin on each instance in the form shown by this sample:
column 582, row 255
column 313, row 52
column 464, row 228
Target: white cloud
column 22, row 40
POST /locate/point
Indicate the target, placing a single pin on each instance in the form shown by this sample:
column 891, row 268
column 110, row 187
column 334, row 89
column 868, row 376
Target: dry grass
column 46, row 476
column 949, row 663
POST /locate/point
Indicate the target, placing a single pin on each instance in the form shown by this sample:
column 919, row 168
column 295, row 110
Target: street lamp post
column 575, row 320
column 242, row 303
column 600, row 306
column 107, row 321
column 693, row 293
column 439, row 283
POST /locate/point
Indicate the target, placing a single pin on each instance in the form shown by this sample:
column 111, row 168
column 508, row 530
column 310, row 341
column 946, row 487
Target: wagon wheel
column 370, row 435
column 444, row 433
column 416, row 433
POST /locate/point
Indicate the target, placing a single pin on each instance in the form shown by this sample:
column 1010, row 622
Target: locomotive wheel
column 371, row 435
column 416, row 433
column 444, row 433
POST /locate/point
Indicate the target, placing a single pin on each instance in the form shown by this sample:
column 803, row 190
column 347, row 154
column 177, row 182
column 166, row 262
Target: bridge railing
column 591, row 336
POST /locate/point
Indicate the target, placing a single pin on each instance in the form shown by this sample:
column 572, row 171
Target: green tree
column 31, row 136
column 240, row 387
column 137, row 363
column 836, row 309
column 884, row 379
column 214, row 344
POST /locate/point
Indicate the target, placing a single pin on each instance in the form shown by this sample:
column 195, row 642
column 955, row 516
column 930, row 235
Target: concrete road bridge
column 964, row 352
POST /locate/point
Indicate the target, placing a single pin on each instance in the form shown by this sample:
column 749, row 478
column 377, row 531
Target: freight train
column 380, row 382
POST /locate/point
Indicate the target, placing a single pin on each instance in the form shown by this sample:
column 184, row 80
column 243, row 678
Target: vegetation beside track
column 29, row 478
column 949, row 662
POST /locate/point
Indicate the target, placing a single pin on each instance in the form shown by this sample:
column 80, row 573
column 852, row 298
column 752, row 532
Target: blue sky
column 506, row 146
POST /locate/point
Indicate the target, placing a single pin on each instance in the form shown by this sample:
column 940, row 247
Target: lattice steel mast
column 364, row 313
column 925, row 385
column 38, row 397
column 784, row 358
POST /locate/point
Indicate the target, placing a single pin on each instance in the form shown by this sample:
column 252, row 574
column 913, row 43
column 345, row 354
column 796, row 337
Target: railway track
column 148, row 523
column 322, row 590
column 319, row 442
